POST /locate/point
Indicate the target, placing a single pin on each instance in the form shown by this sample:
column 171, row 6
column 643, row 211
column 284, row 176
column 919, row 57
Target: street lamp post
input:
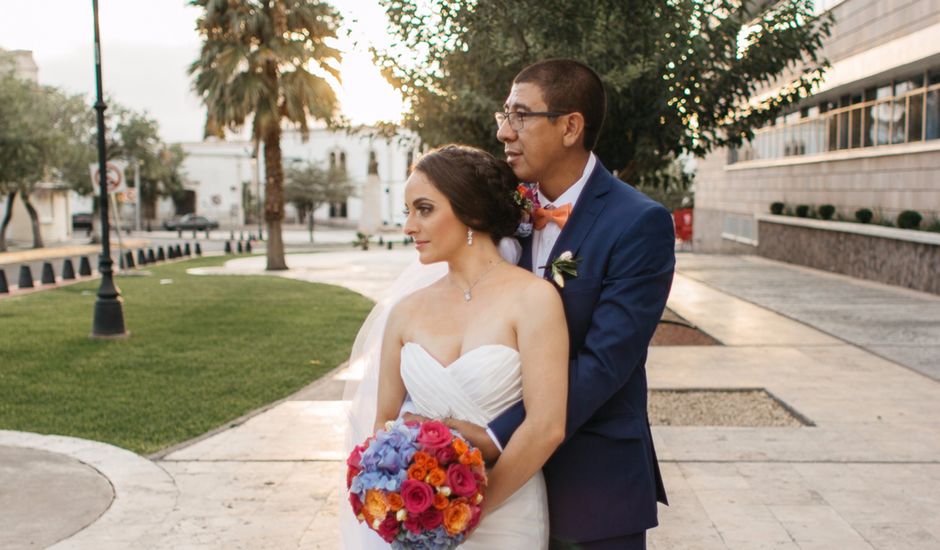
column 109, row 308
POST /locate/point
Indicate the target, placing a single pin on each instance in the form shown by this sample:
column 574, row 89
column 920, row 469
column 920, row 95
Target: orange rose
column 416, row 471
column 440, row 501
column 476, row 457
column 457, row 517
column 431, row 463
column 460, row 446
column 395, row 502
column 421, row 459
column 375, row 506
column 437, row 477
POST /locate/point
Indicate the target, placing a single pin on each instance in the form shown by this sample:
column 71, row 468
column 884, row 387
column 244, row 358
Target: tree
column 681, row 75
column 37, row 141
column 255, row 63
column 308, row 187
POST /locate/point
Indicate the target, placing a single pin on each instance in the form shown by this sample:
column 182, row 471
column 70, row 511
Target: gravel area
column 748, row 408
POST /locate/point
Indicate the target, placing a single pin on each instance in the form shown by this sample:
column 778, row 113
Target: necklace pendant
column 466, row 295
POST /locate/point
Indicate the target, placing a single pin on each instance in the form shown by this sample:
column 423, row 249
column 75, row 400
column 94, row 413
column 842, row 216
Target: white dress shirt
column 543, row 240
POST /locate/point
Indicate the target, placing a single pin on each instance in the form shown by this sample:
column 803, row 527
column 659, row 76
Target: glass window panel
column 855, row 121
column 898, row 121
column 883, row 92
column 932, row 131
column 934, row 77
column 915, row 118
column 870, row 94
column 843, row 130
column 833, row 122
column 869, row 126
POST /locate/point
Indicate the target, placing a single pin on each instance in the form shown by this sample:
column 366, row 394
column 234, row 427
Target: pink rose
column 445, row 455
column 350, row 474
column 475, row 513
column 355, row 457
column 431, row 519
column 417, row 495
column 413, row 524
column 356, row 503
column 389, row 528
column 434, row 435
column 461, row 480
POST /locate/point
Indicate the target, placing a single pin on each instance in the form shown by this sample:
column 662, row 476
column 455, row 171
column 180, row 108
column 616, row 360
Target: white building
column 221, row 173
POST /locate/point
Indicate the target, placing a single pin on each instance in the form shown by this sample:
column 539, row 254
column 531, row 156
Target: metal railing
column 907, row 118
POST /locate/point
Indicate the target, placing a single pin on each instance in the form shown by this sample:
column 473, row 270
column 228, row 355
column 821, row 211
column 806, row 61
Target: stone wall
column 906, row 263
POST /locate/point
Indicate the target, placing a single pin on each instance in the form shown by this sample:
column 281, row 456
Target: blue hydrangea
column 437, row 539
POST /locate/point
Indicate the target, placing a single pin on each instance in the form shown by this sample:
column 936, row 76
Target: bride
column 480, row 338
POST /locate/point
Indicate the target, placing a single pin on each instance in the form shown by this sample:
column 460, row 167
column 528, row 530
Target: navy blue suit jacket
column 604, row 480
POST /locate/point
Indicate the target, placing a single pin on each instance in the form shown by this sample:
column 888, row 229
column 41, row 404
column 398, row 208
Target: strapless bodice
column 477, row 386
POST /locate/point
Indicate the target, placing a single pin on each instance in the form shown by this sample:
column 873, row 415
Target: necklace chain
column 467, row 296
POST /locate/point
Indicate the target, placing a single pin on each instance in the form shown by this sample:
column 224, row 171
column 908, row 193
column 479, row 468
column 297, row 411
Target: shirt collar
column 570, row 196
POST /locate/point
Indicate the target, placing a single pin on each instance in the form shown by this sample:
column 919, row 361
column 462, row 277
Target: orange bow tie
column 559, row 215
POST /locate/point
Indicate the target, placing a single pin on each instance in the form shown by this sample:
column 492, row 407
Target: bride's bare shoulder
column 530, row 288
column 418, row 299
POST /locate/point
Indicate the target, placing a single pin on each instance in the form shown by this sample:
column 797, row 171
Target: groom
column 603, row 481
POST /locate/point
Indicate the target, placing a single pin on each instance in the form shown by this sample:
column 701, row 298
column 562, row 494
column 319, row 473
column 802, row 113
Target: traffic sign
column 115, row 175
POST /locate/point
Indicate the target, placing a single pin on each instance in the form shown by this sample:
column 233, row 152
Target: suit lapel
column 582, row 218
column 525, row 262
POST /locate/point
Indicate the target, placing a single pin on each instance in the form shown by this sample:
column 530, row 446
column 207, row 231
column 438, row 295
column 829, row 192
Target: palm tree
column 258, row 62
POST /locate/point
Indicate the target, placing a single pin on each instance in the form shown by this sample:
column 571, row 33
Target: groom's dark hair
column 569, row 86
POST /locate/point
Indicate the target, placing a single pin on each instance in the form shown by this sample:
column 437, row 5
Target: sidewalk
column 867, row 475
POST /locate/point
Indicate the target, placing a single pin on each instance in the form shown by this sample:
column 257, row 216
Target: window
column 906, row 110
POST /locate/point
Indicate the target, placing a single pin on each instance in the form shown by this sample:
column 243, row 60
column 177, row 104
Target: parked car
column 190, row 222
column 81, row 220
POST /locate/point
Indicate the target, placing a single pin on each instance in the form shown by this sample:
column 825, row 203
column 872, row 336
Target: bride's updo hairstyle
column 478, row 186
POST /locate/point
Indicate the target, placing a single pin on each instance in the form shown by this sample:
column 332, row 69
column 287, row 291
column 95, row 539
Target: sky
column 147, row 46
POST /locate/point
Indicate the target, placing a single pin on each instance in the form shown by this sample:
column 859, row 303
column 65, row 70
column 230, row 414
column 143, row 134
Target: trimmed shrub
column 826, row 211
column 909, row 219
column 864, row 215
column 802, row 211
column 776, row 208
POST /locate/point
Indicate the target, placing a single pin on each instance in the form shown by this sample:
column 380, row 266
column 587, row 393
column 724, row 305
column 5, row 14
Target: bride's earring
column 469, row 237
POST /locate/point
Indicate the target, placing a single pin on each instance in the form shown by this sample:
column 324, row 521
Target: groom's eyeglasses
column 517, row 118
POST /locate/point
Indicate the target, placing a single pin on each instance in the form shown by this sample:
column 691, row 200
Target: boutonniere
column 564, row 264
column 526, row 198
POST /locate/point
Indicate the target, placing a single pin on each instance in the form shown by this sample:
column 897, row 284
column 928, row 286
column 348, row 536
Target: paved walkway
column 866, row 475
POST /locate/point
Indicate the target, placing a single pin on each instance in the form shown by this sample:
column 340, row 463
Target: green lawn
column 203, row 350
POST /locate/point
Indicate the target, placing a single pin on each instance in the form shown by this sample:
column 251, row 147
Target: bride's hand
column 478, row 437
column 411, row 417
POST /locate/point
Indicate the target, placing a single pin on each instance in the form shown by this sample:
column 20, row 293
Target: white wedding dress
column 477, row 387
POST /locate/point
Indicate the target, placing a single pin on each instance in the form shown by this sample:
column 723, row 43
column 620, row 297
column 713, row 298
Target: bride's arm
column 543, row 343
column 391, row 387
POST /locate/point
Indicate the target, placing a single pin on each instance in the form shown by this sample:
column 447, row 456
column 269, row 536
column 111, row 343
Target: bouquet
column 417, row 485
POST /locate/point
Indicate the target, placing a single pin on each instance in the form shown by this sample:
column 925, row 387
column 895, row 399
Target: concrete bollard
column 248, row 247
column 161, row 254
column 48, row 275
column 4, row 287
column 84, row 267
column 187, row 251
column 151, row 257
column 169, row 253
column 26, row 277
column 178, row 251
column 68, row 270
column 141, row 257
column 239, row 247
column 228, row 247
column 129, row 259
column 198, row 250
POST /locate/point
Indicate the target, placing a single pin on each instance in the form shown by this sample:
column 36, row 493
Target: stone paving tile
column 898, row 536
column 899, row 324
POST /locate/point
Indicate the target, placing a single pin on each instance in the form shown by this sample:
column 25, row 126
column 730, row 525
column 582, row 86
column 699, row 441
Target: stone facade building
column 869, row 138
